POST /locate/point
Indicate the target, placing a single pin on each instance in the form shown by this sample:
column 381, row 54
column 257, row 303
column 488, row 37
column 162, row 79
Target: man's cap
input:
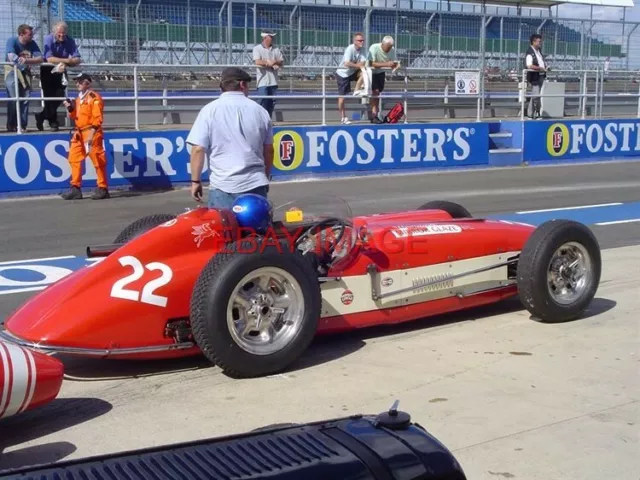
column 268, row 33
column 234, row 73
column 82, row 76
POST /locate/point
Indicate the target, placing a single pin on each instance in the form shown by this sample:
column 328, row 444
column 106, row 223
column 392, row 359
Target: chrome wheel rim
column 569, row 274
column 265, row 310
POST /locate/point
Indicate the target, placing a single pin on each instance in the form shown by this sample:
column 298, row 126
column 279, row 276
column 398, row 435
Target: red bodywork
column 87, row 309
column 28, row 379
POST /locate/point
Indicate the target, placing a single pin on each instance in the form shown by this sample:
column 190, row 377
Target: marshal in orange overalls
column 87, row 113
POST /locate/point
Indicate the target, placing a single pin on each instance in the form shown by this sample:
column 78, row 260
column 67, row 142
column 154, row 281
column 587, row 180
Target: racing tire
column 143, row 225
column 453, row 209
column 212, row 312
column 551, row 255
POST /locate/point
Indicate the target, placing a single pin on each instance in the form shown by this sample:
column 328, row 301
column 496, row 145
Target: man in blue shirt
column 59, row 49
column 23, row 52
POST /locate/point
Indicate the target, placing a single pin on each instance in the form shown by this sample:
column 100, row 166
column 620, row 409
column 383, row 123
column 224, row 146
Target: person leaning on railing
column 381, row 55
column 352, row 61
column 59, row 49
column 23, row 52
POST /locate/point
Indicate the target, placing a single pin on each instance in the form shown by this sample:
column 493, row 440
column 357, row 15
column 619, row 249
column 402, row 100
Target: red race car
column 28, row 379
column 197, row 283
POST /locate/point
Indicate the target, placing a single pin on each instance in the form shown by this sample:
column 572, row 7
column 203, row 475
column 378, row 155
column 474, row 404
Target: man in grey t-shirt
column 269, row 60
column 237, row 134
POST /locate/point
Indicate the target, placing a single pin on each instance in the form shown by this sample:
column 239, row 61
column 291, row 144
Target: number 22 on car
column 146, row 294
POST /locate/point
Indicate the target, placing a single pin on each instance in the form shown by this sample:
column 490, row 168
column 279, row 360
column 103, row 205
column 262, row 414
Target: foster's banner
column 581, row 140
column 160, row 159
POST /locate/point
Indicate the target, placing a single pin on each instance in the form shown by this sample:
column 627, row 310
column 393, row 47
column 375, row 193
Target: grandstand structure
column 428, row 35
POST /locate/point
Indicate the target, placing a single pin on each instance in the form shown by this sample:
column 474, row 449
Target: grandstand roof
column 553, row 3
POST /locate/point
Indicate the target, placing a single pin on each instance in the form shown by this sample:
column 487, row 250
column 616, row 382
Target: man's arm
column 198, row 138
column 197, row 162
column 268, row 159
column 347, row 59
column 258, row 61
column 279, row 58
column 531, row 66
column 36, row 55
column 72, row 61
column 375, row 64
column 267, row 146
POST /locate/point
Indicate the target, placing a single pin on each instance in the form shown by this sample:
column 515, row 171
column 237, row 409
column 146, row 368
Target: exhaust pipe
column 97, row 251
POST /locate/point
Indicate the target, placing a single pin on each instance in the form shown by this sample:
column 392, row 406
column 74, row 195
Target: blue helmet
column 252, row 211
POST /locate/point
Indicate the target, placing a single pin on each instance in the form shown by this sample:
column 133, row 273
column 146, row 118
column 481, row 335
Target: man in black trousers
column 59, row 49
column 535, row 78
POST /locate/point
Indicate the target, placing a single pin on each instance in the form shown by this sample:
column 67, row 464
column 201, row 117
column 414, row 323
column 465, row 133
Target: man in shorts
column 352, row 61
column 381, row 55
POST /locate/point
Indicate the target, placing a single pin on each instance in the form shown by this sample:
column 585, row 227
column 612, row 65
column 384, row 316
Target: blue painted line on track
column 36, row 274
column 588, row 216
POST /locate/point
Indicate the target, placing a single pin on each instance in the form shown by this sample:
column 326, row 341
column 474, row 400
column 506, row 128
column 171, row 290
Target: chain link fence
column 428, row 34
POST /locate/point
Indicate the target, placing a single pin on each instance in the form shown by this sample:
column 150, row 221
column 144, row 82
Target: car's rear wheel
column 453, row 209
column 143, row 225
column 255, row 308
column 559, row 271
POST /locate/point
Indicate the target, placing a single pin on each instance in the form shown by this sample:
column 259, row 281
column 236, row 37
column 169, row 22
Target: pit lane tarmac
column 511, row 397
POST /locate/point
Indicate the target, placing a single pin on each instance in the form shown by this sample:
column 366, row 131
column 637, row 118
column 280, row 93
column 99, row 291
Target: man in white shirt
column 352, row 61
column 535, row 78
column 237, row 134
column 269, row 60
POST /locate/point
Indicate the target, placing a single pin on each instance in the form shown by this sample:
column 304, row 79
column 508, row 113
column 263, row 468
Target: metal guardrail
column 405, row 96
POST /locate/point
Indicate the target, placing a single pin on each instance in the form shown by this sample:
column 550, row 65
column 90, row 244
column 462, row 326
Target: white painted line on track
column 32, row 260
column 20, row 290
column 579, row 207
column 619, row 221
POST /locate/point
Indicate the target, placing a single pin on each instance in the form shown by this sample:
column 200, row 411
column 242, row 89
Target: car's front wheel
column 255, row 308
column 559, row 271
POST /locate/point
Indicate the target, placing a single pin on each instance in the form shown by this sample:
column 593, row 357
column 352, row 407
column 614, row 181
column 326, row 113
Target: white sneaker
column 345, row 121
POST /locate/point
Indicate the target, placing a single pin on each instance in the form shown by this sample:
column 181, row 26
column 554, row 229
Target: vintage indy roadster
column 196, row 283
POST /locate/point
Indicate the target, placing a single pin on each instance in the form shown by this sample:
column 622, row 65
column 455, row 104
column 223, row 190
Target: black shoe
column 39, row 122
column 54, row 127
column 100, row 194
column 376, row 119
column 74, row 193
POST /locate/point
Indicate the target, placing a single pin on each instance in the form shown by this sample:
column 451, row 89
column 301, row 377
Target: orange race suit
column 87, row 111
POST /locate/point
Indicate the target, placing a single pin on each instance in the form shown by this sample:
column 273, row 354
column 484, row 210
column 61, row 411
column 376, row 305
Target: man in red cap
column 87, row 113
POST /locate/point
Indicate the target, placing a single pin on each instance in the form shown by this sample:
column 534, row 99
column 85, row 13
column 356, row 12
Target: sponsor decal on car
column 347, row 297
column 170, row 223
column 421, row 230
column 204, row 231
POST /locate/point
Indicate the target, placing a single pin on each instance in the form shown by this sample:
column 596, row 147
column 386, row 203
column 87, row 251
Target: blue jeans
column 12, row 122
column 220, row 199
column 268, row 103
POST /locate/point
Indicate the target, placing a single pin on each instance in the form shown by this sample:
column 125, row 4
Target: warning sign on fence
column 467, row 83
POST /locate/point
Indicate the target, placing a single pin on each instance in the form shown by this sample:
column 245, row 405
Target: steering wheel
column 327, row 222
